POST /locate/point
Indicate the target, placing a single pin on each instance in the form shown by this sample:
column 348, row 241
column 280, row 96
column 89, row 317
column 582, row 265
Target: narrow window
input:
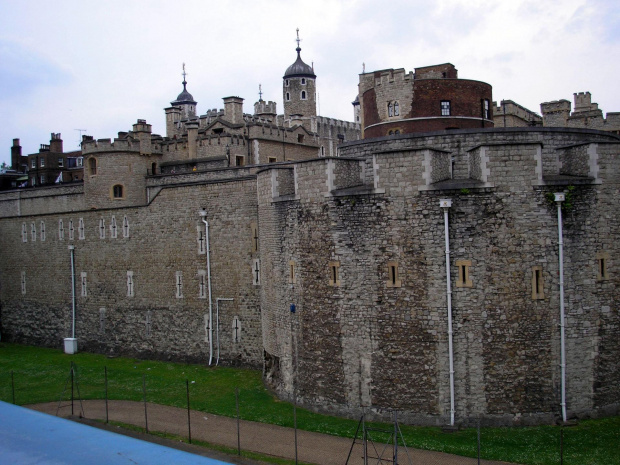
column 303, row 81
column 254, row 232
column 602, row 260
column 286, row 82
column 33, row 163
column 61, row 230
column 130, row 284
column 236, row 329
column 42, row 162
column 303, row 95
column 125, row 227
column 42, row 232
column 81, row 232
column 445, row 108
column 102, row 320
column 256, row 272
column 396, row 109
column 300, row 138
column 113, row 229
column 202, row 284
column 23, row 283
column 390, row 109
column 61, row 162
column 537, row 283
column 464, row 279
column 485, row 109
column 117, row 191
column 43, row 179
column 71, row 230
column 292, row 277
column 33, row 232
column 92, row 166
column 24, row 233
column 392, row 273
column 179, row 284
column 83, row 279
column 239, row 160
column 390, row 133
column 201, row 239
column 288, row 96
column 334, row 274
column 101, row 228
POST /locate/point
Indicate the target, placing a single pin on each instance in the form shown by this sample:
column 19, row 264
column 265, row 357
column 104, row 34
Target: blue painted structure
column 28, row 437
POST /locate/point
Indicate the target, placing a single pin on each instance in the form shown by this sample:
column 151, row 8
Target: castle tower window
column 23, row 282
column 334, row 274
column 81, row 231
column 33, row 232
column 83, row 280
column 202, row 284
column 393, row 279
column 61, row 230
column 288, row 96
column 130, row 284
column 125, row 227
column 254, row 231
column 92, row 166
column 303, row 95
column 24, row 233
column 239, row 160
column 113, row 228
column 303, row 81
column 445, row 108
column 292, row 276
column 286, row 82
column 236, row 328
column 464, row 279
column 390, row 109
column 42, row 232
column 537, row 283
column 602, row 259
column 485, row 109
column 179, row 284
column 71, row 230
column 118, row 191
column 300, row 138
column 396, row 109
column 397, row 132
column 201, row 240
column 256, row 272
column 272, row 159
column 101, row 228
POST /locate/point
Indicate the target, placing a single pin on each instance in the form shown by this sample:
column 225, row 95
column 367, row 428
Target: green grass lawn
column 41, row 375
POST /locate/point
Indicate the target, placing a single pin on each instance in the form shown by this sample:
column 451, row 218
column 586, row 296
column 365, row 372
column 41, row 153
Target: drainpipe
column 203, row 215
column 72, row 249
column 217, row 324
column 445, row 204
column 559, row 198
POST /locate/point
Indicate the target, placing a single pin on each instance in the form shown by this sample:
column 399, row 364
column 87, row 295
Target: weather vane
column 260, row 93
column 184, row 73
column 298, row 39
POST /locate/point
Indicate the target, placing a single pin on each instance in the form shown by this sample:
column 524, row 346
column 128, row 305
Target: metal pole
column 13, row 386
column 189, row 423
column 203, row 215
column 238, row 436
column 559, row 198
column 146, row 420
column 71, row 388
column 445, row 204
column 107, row 418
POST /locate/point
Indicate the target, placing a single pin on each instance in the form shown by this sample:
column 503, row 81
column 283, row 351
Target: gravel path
column 313, row 448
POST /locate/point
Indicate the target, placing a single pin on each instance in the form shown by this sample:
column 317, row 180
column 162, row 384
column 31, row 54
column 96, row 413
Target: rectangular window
column 254, row 230
column 256, row 272
column 81, row 232
column 537, row 283
column 101, row 228
column 83, row 279
column 201, row 239
column 23, row 283
column 179, row 284
column 202, row 284
column 272, row 159
column 33, row 163
column 24, row 233
column 239, row 160
column 602, row 261
column 61, row 162
column 334, row 274
column 71, row 230
column 61, row 230
column 300, row 138
column 485, row 109
column 43, row 179
column 113, row 231
column 33, row 232
column 392, row 271
column 292, row 277
column 125, row 227
column 42, row 162
column 236, row 328
column 130, row 284
column 463, row 280
column 42, row 232
column 445, row 108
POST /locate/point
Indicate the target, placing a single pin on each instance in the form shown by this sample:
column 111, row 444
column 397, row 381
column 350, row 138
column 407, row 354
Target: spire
column 184, row 97
column 260, row 93
column 299, row 68
column 184, row 81
column 298, row 49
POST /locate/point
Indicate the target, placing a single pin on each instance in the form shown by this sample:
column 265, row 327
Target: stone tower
column 183, row 108
column 299, row 88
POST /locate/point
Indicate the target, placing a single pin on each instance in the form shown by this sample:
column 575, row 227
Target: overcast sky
column 100, row 65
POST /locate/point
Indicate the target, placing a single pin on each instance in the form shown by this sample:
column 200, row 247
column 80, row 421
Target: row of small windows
column 393, row 109
column 69, row 229
column 287, row 82
column 302, row 95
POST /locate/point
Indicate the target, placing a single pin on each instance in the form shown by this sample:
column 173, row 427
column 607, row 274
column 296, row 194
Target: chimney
column 55, row 143
column 16, row 153
column 233, row 109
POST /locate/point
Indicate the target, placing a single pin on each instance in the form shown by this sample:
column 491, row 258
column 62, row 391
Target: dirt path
column 314, row 448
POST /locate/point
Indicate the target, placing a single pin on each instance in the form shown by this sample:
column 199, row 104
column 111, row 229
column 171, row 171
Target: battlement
column 337, row 122
column 265, row 108
column 555, row 106
column 392, row 75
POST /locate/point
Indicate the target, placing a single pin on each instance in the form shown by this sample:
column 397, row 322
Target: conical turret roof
column 299, row 68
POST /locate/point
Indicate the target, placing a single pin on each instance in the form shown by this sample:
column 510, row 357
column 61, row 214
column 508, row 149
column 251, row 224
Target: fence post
column 238, row 436
column 106, row 393
column 146, row 420
column 189, row 423
column 13, row 386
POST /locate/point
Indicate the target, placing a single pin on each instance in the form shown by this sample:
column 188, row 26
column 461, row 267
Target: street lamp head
column 559, row 196
column 203, row 213
column 445, row 203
